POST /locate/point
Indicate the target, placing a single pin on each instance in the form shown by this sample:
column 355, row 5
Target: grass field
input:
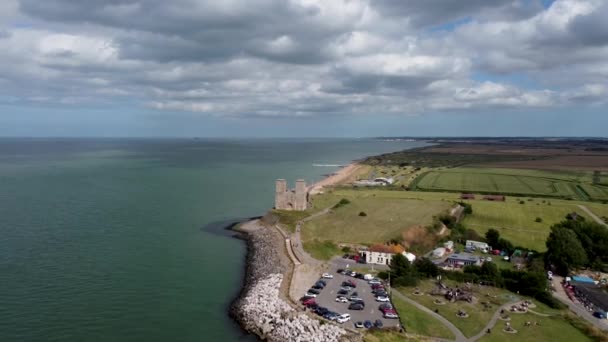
column 551, row 329
column 558, row 184
column 516, row 222
column 419, row 322
column 478, row 315
column 321, row 250
column 387, row 216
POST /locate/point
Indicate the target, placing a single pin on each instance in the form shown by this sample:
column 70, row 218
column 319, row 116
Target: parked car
column 368, row 324
column 359, row 276
column 355, row 299
column 309, row 301
column 599, row 314
column 321, row 311
column 361, row 261
column 368, row 277
column 321, row 281
column 352, row 273
column 343, row 318
column 382, row 299
column 319, row 284
column 385, row 306
column 343, row 292
column 305, row 298
column 374, row 281
column 310, row 294
column 390, row 315
column 327, row 276
column 313, row 306
column 359, row 324
column 341, row 300
column 314, row 291
column 330, row 315
column 349, row 283
column 356, row 306
column 317, row 287
column 340, row 271
column 378, row 323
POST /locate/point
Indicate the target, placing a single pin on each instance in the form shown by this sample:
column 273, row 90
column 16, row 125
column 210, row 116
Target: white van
column 368, row 277
column 343, row 318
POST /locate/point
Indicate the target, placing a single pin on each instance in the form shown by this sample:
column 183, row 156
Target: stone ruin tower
column 286, row 199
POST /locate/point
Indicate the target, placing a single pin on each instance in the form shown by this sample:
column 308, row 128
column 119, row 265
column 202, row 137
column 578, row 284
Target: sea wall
column 260, row 309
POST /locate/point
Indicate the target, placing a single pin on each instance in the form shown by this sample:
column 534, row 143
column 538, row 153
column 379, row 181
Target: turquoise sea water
column 121, row 240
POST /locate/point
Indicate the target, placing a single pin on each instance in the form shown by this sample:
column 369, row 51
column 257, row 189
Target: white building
column 438, row 252
column 472, row 244
column 383, row 254
column 449, row 245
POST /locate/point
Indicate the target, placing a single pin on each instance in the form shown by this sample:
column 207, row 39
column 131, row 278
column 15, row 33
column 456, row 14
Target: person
column 488, row 331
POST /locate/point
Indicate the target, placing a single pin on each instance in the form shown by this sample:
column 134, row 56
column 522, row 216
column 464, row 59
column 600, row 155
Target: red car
column 309, row 301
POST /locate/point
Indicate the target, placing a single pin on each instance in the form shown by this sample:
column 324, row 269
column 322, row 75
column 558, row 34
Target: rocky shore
column 260, row 309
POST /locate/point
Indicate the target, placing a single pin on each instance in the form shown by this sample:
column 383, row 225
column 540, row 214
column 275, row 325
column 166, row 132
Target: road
column 593, row 216
column 579, row 310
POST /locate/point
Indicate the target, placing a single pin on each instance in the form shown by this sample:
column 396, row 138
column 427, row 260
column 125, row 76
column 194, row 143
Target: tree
column 402, row 272
column 492, row 237
column 564, row 250
column 489, row 271
column 426, row 267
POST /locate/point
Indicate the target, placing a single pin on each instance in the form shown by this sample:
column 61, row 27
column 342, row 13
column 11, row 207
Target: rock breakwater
column 260, row 309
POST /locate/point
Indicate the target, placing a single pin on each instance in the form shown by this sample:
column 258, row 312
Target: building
column 286, row 199
column 384, row 180
column 383, row 254
column 472, row 244
column 463, row 259
column 448, row 245
column 376, row 182
column 439, row 252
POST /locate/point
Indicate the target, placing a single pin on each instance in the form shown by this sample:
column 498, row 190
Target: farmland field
column 517, row 222
column 387, row 216
column 559, row 184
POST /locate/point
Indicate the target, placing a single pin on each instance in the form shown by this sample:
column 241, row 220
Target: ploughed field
column 567, row 185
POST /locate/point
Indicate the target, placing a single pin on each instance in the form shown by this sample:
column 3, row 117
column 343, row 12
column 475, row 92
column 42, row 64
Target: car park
column 382, row 299
column 343, row 318
column 327, row 276
column 341, row 300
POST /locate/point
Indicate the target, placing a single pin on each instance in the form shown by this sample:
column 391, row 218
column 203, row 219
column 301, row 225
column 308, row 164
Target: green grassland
column 554, row 328
column 388, row 215
column 479, row 316
column 419, row 322
column 558, row 184
column 517, row 222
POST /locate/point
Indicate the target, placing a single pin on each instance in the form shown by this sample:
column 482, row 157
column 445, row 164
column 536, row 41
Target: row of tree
column 577, row 243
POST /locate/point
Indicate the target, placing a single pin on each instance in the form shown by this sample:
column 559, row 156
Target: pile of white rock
column 265, row 314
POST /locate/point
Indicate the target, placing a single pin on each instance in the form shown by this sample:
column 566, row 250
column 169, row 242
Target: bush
column 362, row 213
column 342, row 203
column 538, row 219
column 383, row 275
column 522, row 202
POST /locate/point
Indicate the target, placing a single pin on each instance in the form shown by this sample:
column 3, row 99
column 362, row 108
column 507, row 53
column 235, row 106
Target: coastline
column 335, row 178
column 260, row 308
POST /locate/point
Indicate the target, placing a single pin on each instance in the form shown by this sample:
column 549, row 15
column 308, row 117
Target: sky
column 313, row 68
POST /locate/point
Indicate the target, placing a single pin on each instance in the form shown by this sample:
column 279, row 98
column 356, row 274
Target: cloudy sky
column 303, row 67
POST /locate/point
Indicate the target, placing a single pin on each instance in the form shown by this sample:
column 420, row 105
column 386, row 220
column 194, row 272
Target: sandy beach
column 338, row 177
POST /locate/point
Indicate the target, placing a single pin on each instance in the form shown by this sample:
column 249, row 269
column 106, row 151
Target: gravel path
column 593, row 216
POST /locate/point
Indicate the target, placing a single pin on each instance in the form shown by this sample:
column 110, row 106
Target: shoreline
column 260, row 308
column 335, row 178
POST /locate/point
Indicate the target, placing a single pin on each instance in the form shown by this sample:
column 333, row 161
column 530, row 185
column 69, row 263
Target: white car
column 343, row 318
column 368, row 277
column 374, row 282
column 327, row 276
column 310, row 294
column 382, row 299
column 342, row 300
column 390, row 315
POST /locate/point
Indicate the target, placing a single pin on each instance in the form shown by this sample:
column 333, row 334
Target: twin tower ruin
column 286, row 199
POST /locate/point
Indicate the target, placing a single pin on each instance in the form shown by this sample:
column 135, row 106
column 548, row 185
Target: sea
column 124, row 239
